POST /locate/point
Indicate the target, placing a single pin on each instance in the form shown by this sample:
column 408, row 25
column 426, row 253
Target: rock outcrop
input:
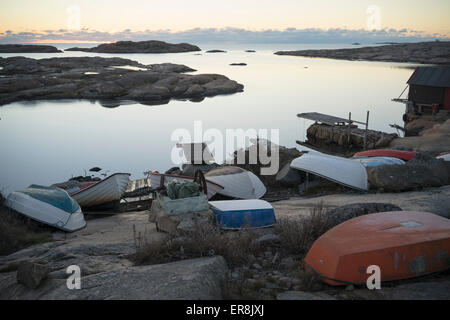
column 151, row 46
column 290, row 177
column 275, row 182
column 27, row 48
column 424, row 52
column 190, row 169
column 434, row 140
column 102, row 251
column 196, row 279
column 354, row 210
column 421, row 172
column 111, row 79
column 31, row 274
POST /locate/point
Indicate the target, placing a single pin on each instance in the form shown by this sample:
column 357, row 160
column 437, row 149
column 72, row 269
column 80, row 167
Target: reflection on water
column 49, row 141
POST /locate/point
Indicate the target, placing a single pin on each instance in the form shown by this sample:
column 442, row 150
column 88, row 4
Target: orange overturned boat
column 403, row 244
column 399, row 154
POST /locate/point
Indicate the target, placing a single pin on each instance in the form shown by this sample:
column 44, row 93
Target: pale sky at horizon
column 177, row 15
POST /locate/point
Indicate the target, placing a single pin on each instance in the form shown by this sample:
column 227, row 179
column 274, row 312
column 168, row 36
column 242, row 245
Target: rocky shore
column 423, row 52
column 434, row 138
column 103, row 250
column 20, row 48
column 151, row 46
column 105, row 79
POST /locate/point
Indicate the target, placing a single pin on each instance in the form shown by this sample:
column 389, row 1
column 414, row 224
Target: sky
column 97, row 20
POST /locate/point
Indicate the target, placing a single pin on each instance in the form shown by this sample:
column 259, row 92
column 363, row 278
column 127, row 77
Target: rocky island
column 28, row 48
column 151, row 46
column 110, row 79
column 436, row 52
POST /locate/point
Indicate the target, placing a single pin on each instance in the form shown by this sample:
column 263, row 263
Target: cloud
column 228, row 35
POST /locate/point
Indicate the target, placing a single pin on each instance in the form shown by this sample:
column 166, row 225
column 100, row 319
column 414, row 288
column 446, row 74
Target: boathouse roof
column 431, row 77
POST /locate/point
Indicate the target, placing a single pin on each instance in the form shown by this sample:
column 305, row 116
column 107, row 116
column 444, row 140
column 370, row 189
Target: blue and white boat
column 370, row 162
column 243, row 214
column 49, row 205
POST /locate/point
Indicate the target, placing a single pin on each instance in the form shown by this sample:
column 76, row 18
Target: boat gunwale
column 97, row 183
column 391, row 153
column 333, row 180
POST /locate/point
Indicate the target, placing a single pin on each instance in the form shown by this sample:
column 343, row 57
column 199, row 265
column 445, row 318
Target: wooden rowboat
column 237, row 182
column 107, row 190
column 402, row 244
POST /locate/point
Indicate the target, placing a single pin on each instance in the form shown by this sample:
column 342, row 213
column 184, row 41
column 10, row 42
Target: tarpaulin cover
column 176, row 190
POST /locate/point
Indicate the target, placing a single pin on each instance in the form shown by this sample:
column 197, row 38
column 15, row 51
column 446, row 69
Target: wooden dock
column 328, row 130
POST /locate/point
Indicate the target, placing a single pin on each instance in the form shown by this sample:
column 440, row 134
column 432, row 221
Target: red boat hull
column 403, row 244
column 404, row 155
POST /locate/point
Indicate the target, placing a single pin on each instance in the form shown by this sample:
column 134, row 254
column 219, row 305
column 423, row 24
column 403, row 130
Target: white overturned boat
column 107, row 190
column 444, row 156
column 344, row 171
column 52, row 206
column 237, row 182
column 156, row 178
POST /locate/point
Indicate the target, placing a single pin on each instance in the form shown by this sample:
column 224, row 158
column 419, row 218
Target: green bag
column 177, row 190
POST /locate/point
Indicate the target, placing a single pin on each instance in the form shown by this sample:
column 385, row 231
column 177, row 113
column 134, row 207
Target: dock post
column 365, row 132
column 349, row 130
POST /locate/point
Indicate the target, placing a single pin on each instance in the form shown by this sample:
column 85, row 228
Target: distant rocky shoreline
column 423, row 52
column 28, row 48
column 152, row 46
column 113, row 80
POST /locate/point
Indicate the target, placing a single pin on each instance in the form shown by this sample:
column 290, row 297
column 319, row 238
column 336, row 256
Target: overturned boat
column 444, row 156
column 400, row 154
column 48, row 205
column 104, row 191
column 243, row 214
column 237, row 182
column 157, row 180
column 402, row 244
column 344, row 171
column 370, row 162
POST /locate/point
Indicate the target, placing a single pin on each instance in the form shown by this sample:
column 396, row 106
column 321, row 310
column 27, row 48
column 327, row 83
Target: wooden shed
column 429, row 89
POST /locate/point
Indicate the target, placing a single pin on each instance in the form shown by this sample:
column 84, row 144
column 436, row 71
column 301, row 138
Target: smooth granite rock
column 108, row 79
column 27, row 48
column 437, row 52
column 151, row 46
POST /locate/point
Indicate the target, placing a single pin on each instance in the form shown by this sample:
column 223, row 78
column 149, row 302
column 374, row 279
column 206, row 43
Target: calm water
column 46, row 142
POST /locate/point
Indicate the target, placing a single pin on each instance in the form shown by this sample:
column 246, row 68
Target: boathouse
column 429, row 90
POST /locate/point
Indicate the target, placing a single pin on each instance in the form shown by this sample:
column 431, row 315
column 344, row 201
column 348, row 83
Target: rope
column 403, row 91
